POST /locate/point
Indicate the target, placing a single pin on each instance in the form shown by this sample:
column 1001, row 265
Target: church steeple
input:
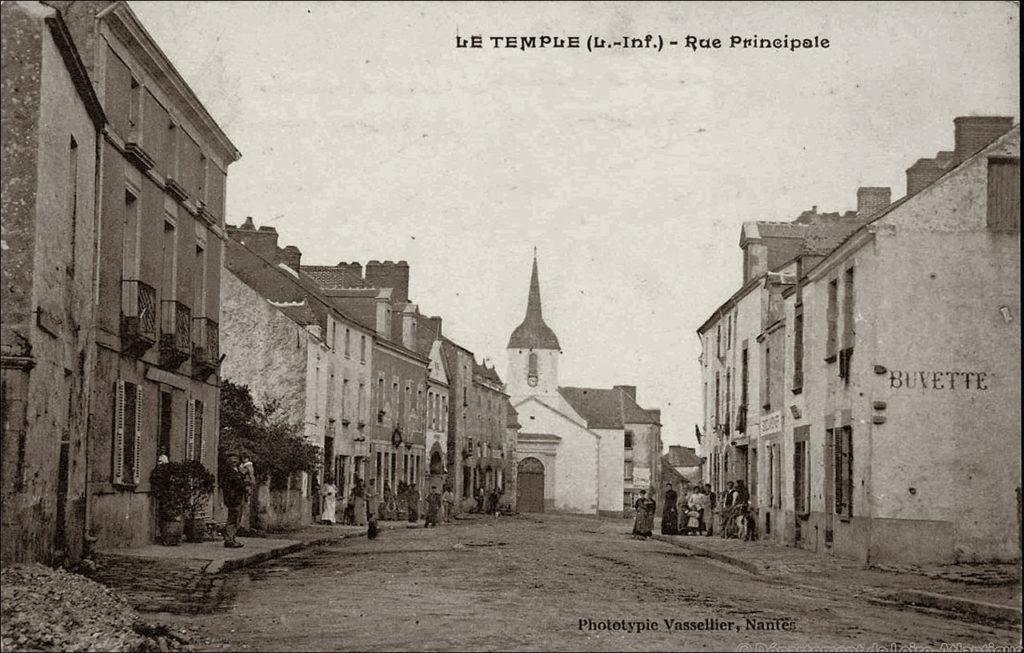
column 533, row 333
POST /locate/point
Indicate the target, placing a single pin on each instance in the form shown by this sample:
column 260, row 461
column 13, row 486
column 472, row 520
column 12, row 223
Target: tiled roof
column 511, row 416
column 678, row 456
column 600, row 407
column 488, row 373
column 632, row 413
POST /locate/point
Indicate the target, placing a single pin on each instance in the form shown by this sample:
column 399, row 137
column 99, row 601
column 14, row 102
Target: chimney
column 755, row 252
column 972, row 133
column 389, row 275
column 409, row 336
column 263, row 241
column 435, row 325
column 922, row 174
column 872, row 199
column 628, row 389
column 290, row 256
column 354, row 268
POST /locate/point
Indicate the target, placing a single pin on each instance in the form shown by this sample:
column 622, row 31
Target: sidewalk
column 980, row 592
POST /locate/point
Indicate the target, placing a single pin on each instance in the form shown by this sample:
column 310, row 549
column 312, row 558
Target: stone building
column 511, row 487
column 283, row 339
column 739, row 341
column 379, row 297
column 488, row 418
column 572, row 449
column 163, row 172
column 879, row 435
column 51, row 125
column 459, row 363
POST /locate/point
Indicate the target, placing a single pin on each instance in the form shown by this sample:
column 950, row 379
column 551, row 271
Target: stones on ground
column 47, row 609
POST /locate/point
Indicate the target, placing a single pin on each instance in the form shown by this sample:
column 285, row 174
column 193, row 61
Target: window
column 848, row 326
column 766, row 387
column 362, row 349
column 348, row 342
column 1003, row 208
column 718, row 340
column 195, row 440
column 728, row 400
column 72, row 204
column 361, row 399
column 627, row 440
column 798, row 349
column 444, row 413
column 833, row 299
column 801, row 475
column 718, row 384
column 170, row 262
column 130, row 242
column 344, row 399
column 172, row 150
column 199, row 277
column 744, row 376
column 627, row 471
column 843, row 452
column 134, row 111
column 127, row 468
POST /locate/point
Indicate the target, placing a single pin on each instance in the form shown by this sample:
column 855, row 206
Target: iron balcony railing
column 138, row 316
column 175, row 333
column 205, row 346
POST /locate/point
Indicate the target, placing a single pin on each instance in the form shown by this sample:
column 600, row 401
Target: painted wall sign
column 931, row 380
column 771, row 423
column 641, row 477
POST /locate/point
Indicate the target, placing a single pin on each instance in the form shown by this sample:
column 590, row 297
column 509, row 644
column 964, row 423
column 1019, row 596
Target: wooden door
column 531, row 485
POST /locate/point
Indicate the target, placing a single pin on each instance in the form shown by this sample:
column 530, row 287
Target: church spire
column 533, row 333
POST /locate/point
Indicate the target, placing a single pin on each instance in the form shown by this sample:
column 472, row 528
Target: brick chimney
column 922, row 174
column 972, row 133
column 290, row 256
column 872, row 199
column 389, row 275
column 354, row 268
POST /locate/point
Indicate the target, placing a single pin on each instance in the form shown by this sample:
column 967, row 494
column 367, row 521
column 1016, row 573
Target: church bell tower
column 533, row 350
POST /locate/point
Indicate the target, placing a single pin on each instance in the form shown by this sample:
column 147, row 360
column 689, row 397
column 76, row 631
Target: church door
column 531, row 485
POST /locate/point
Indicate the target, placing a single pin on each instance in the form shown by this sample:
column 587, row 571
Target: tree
column 276, row 446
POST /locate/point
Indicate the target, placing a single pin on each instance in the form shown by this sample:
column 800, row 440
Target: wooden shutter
column 198, row 430
column 1003, row 209
column 117, row 475
column 137, row 459
column 190, row 430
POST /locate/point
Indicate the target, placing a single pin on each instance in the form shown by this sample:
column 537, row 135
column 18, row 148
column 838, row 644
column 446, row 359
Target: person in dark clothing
column 413, row 502
column 670, row 513
column 234, row 489
column 712, row 509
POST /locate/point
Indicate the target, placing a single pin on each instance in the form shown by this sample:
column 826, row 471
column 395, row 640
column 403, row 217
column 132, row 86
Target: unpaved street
column 526, row 583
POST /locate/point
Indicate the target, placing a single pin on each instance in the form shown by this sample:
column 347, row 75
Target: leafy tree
column 276, row 446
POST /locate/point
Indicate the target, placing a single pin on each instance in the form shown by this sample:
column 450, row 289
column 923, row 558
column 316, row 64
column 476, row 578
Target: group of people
column 698, row 512
column 365, row 508
column 238, row 487
column 488, row 503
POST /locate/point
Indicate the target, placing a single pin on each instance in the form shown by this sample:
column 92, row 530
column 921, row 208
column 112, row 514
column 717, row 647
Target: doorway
column 531, row 485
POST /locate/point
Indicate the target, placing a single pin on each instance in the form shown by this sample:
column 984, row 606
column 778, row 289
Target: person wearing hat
column 234, row 489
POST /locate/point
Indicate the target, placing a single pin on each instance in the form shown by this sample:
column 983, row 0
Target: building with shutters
column 579, row 450
column 51, row 127
column 865, row 376
column 163, row 164
column 283, row 338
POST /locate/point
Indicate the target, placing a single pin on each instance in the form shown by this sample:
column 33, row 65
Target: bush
column 182, row 488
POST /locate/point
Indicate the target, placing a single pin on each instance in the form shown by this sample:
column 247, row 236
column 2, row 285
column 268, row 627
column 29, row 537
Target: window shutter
column 118, row 466
column 190, row 430
column 200, row 436
column 137, row 467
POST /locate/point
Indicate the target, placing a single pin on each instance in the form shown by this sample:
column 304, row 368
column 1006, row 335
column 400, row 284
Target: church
column 579, row 450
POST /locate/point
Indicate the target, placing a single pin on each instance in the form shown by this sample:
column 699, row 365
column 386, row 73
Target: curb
column 969, row 607
column 219, row 566
column 749, row 567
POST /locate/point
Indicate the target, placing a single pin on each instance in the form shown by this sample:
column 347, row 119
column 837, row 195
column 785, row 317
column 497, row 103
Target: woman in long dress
column 328, row 502
column 639, row 508
column 359, row 505
column 670, row 514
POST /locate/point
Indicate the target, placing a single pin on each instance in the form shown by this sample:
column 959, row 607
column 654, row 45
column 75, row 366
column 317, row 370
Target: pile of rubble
column 43, row 609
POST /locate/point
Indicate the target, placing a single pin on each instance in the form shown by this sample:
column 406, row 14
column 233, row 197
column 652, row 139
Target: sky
column 367, row 134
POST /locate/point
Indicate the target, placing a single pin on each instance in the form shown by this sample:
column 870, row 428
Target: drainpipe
column 88, row 538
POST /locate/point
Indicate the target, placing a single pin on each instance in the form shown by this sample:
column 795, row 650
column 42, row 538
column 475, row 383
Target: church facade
column 577, row 447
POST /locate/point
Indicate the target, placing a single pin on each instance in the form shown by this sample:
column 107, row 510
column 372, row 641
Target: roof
column 511, row 416
column 532, row 332
column 679, row 456
column 632, row 413
column 600, row 407
column 488, row 373
column 544, row 437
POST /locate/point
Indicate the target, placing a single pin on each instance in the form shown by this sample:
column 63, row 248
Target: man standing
column 371, row 509
column 233, row 487
column 712, row 509
column 448, row 498
column 249, row 473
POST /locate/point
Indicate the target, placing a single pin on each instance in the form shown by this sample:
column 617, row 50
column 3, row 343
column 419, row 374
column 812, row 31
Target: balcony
column 175, row 333
column 138, row 317
column 205, row 347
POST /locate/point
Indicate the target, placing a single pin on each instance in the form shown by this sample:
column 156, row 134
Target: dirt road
column 545, row 583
